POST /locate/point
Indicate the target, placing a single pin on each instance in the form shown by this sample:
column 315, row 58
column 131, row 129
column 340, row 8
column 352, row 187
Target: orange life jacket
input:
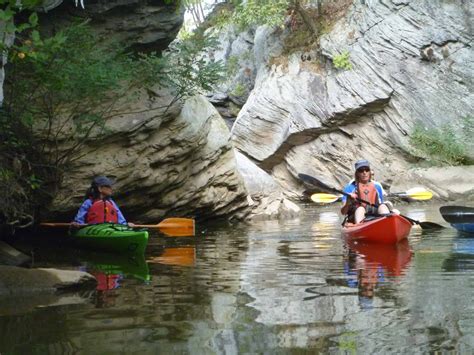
column 102, row 211
column 367, row 192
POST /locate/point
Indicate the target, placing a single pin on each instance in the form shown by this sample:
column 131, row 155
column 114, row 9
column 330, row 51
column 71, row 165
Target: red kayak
column 386, row 229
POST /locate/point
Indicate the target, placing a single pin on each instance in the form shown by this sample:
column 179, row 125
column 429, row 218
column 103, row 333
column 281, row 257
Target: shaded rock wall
column 136, row 24
column 176, row 163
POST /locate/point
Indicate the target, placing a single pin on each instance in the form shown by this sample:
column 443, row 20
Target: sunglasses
column 363, row 170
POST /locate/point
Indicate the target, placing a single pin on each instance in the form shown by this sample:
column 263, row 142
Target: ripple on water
column 272, row 287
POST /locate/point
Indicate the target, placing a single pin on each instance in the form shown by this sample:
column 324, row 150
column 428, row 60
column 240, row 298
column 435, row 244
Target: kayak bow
column 388, row 229
column 110, row 237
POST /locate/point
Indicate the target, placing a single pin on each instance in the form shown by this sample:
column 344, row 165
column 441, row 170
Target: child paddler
column 99, row 206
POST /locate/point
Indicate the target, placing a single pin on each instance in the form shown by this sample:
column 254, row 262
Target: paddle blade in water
column 430, row 225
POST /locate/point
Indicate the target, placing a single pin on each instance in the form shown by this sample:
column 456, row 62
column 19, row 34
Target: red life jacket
column 102, row 212
column 367, row 192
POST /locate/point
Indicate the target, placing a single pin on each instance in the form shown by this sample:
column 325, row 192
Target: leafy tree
column 68, row 85
column 255, row 12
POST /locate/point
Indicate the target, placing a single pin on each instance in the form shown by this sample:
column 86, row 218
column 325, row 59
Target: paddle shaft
column 312, row 180
column 169, row 226
column 413, row 221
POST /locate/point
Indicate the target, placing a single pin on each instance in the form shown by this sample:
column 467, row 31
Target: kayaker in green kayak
column 363, row 187
column 99, row 206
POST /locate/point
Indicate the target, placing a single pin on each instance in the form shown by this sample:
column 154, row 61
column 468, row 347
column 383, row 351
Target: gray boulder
column 15, row 280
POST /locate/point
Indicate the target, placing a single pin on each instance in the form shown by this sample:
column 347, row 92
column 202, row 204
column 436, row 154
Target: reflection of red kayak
column 392, row 257
column 388, row 230
column 106, row 281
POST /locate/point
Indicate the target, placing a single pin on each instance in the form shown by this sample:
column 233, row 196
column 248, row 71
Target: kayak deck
column 388, row 229
column 460, row 217
column 111, row 237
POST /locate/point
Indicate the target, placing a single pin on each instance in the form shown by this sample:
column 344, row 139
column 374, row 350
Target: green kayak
column 111, row 237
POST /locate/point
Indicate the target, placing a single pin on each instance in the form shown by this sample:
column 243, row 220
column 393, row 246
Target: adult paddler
column 364, row 188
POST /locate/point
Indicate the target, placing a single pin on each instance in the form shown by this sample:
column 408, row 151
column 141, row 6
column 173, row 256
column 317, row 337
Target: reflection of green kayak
column 110, row 264
column 111, row 237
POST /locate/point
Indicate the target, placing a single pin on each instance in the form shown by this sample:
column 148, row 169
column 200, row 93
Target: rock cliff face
column 136, row 24
column 412, row 64
column 178, row 163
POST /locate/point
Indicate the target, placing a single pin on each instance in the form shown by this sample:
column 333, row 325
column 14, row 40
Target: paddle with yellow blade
column 318, row 183
column 173, row 227
column 415, row 193
column 324, row 198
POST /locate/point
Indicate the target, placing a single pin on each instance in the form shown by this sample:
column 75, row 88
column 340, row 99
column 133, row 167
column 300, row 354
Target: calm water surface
column 272, row 287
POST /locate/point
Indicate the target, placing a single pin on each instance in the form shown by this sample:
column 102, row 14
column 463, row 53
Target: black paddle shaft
column 318, row 183
column 313, row 181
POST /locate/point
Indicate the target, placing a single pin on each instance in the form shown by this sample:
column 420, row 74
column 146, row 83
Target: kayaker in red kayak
column 363, row 187
column 99, row 206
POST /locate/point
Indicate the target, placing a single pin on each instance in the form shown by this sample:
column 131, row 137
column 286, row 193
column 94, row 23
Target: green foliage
column 187, row 70
column 239, row 90
column 15, row 169
column 260, row 12
column 7, row 17
column 467, row 126
column 342, row 61
column 67, row 85
column 15, row 196
column 296, row 40
column 65, row 88
column 441, row 146
column 222, row 19
column 184, row 34
column 347, row 343
column 34, row 182
column 232, row 65
column 60, row 84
